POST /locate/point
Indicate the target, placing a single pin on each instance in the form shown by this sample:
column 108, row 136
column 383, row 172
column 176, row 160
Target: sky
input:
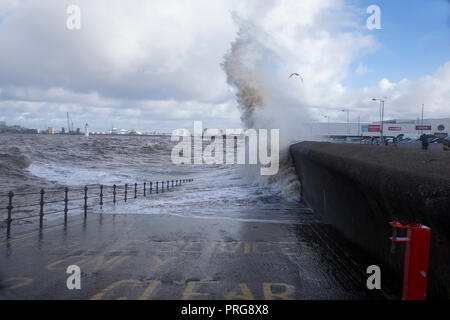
column 157, row 64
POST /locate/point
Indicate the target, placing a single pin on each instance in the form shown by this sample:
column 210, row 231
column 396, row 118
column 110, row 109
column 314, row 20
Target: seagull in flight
column 296, row 74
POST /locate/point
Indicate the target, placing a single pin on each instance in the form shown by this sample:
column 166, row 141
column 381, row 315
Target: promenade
column 132, row 256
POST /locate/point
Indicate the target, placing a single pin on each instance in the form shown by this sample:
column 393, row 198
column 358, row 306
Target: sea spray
column 253, row 67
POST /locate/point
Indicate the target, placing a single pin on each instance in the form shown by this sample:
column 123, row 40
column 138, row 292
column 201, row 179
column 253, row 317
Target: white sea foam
column 254, row 69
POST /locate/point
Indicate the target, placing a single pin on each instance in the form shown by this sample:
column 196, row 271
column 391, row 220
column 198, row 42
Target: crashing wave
column 262, row 102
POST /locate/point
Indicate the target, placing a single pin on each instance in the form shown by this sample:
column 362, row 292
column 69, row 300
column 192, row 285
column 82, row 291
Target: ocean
column 29, row 163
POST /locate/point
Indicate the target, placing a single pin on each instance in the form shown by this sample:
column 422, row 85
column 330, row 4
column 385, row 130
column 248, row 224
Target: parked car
column 439, row 139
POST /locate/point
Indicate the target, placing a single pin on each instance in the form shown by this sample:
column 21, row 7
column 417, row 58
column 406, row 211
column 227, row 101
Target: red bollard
column 417, row 252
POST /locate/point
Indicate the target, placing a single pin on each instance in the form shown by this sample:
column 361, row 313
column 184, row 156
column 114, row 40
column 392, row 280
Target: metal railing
column 89, row 196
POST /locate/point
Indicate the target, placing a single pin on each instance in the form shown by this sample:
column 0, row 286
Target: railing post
column 151, row 187
column 41, row 203
column 101, row 195
column 162, row 186
column 85, row 201
column 157, row 185
column 114, row 194
column 135, row 190
column 10, row 206
column 167, row 185
column 126, row 191
column 145, row 188
column 66, row 202
column 172, row 183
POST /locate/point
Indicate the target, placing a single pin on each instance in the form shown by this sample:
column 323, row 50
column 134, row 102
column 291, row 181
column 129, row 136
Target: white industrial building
column 391, row 128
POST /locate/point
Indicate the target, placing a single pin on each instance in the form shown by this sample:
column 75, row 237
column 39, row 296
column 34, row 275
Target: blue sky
column 414, row 39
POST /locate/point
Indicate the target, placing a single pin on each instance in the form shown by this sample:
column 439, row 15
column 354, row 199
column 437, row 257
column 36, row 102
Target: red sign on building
column 374, row 128
column 426, row 128
column 395, row 128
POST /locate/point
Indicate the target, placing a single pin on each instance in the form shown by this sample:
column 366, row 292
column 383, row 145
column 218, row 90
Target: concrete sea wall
column 359, row 189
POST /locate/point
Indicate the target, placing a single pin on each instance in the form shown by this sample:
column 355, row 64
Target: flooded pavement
column 135, row 256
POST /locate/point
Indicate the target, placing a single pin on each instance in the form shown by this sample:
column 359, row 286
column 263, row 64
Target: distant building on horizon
column 391, row 128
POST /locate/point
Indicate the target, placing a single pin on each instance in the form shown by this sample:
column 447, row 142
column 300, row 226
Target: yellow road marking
column 149, row 290
column 100, row 295
column 285, row 295
column 189, row 291
column 24, row 282
column 242, row 293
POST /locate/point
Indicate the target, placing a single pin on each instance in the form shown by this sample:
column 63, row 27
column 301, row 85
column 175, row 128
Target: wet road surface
column 131, row 256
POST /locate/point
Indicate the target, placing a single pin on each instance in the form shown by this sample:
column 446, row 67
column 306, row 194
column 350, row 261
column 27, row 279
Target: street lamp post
column 422, row 118
column 381, row 117
column 359, row 127
column 348, row 121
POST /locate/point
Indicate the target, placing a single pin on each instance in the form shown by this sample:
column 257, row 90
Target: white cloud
column 403, row 98
column 156, row 63
column 385, row 85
